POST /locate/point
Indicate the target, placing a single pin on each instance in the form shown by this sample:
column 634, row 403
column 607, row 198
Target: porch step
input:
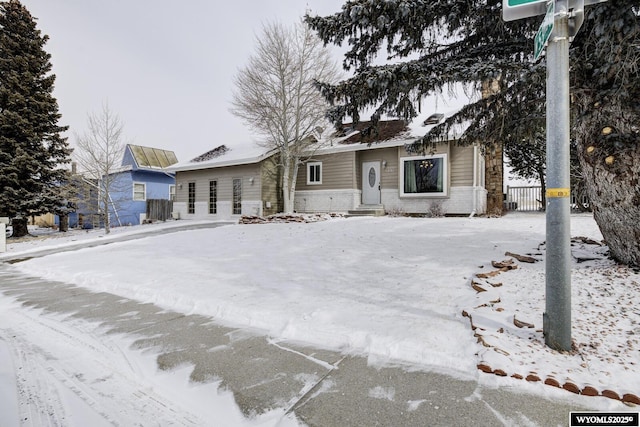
column 367, row 210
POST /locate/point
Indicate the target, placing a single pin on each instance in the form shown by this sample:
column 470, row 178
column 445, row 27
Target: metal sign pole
column 557, row 317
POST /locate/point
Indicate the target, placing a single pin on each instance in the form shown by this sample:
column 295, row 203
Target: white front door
column 371, row 183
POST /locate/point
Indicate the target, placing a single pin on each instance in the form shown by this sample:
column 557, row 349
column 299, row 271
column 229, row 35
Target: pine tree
column 32, row 149
column 437, row 44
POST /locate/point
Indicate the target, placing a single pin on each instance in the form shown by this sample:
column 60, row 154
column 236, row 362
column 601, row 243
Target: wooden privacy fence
column 529, row 199
column 159, row 209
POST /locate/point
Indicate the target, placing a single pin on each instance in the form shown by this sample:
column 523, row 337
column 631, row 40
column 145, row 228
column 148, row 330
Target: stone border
column 479, row 286
column 569, row 386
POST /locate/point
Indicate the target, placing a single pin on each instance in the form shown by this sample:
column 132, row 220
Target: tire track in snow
column 79, row 369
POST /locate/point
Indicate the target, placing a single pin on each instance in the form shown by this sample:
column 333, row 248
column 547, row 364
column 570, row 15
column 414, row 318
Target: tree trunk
column 64, row 222
column 494, row 171
column 610, row 160
column 286, row 183
column 19, row 226
column 293, row 181
column 543, row 189
column 105, row 214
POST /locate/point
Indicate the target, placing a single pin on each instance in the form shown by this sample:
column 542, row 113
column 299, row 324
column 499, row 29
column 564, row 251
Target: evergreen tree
column 440, row 43
column 31, row 147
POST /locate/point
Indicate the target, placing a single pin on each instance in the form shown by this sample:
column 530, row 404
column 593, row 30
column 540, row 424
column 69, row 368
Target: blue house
column 141, row 181
column 140, row 189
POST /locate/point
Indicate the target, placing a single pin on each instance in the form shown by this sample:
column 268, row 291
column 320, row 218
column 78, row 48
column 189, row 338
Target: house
column 224, row 183
column 141, row 179
column 377, row 172
column 360, row 169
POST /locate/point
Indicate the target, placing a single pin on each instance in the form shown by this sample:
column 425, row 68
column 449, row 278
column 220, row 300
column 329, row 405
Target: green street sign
column 518, row 9
column 543, row 34
column 512, row 3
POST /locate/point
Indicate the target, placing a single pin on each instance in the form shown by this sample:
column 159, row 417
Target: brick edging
column 569, row 386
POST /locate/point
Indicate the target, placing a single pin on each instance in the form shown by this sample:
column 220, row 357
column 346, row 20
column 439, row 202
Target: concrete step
column 367, row 210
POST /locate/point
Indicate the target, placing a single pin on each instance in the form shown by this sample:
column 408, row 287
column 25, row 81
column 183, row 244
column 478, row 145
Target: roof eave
column 224, row 163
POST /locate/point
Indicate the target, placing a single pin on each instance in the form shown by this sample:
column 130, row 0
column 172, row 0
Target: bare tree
column 99, row 154
column 276, row 96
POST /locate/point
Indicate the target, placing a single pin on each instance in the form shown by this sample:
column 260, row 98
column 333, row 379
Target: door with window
column 371, row 183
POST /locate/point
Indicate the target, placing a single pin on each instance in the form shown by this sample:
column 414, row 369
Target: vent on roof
column 433, row 119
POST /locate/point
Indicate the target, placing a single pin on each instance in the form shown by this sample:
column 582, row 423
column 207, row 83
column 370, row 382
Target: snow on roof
column 388, row 133
column 224, row 155
column 427, row 121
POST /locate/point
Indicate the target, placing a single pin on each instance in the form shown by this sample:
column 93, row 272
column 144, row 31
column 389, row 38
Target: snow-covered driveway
column 390, row 289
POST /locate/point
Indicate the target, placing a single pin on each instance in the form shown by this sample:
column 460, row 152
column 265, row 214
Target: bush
column 435, row 210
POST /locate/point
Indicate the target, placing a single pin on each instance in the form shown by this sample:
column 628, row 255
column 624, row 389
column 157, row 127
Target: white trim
column 144, row 185
column 445, row 177
column 309, row 175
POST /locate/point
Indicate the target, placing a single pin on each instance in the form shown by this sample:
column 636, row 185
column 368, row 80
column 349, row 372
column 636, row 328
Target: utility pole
column 557, row 316
column 562, row 21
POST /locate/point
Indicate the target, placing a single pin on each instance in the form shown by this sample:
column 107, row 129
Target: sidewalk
column 265, row 375
column 322, row 388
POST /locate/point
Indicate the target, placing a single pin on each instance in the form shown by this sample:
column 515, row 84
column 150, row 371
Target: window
column 423, row 176
column 213, row 197
column 191, row 204
column 172, row 193
column 314, row 173
column 139, row 191
column 237, row 196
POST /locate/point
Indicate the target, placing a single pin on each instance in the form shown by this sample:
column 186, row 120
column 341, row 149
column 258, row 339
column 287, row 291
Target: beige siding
column 461, row 166
column 337, row 172
column 440, row 149
column 224, row 176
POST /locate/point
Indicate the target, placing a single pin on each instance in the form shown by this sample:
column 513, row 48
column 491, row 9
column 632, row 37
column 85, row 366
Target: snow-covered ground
column 405, row 291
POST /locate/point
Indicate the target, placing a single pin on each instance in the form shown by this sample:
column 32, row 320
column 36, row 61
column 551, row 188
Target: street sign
column 519, row 9
column 543, row 34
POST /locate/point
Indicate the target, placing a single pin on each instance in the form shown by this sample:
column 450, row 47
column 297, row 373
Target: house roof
column 366, row 133
column 388, row 133
column 211, row 154
column 223, row 155
column 151, row 158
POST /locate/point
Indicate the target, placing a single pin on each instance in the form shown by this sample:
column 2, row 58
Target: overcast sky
column 165, row 67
